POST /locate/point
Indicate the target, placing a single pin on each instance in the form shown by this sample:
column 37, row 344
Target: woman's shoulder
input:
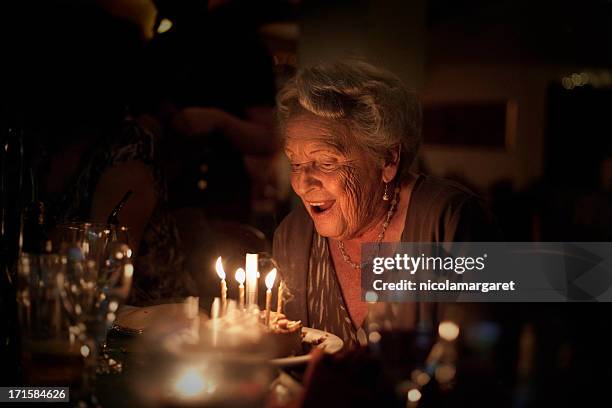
column 133, row 142
column 444, row 210
column 434, row 187
column 437, row 195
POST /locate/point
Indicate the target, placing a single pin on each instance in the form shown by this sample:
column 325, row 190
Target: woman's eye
column 328, row 166
column 295, row 166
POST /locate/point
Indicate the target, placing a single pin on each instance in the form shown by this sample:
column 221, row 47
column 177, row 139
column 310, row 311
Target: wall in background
column 447, row 63
column 390, row 33
column 524, row 87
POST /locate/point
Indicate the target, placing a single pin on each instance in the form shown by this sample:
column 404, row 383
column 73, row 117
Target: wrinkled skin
column 345, row 182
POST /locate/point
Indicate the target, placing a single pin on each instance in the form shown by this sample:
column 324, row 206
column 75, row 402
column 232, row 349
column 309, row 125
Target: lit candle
column 270, row 277
column 192, row 312
column 214, row 309
column 251, row 279
column 214, row 315
column 240, row 277
column 221, row 273
column 279, row 301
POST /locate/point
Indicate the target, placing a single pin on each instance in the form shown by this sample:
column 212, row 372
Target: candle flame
column 270, row 277
column 219, row 268
column 240, row 275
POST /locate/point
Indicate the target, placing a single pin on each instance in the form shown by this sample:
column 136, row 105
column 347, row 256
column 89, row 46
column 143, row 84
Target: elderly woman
column 351, row 132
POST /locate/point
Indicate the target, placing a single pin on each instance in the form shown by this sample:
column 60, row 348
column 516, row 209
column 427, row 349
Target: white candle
column 279, row 301
column 214, row 315
column 192, row 312
column 251, row 279
column 240, row 277
column 270, row 277
column 221, row 273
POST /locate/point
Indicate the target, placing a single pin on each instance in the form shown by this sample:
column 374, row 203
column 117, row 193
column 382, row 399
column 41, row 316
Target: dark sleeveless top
column 439, row 211
column 160, row 271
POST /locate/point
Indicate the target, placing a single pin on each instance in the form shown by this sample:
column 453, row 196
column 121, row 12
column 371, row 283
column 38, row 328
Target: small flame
column 128, row 270
column 219, row 268
column 240, row 275
column 270, row 277
column 164, row 26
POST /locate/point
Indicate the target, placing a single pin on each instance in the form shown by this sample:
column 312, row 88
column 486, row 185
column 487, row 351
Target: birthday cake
column 246, row 331
column 247, row 322
column 285, row 334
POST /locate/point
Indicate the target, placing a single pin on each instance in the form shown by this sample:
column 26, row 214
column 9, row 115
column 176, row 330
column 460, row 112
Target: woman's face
column 341, row 187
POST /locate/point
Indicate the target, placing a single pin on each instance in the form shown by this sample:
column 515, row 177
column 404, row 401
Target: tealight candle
column 240, row 277
column 221, row 273
column 270, row 277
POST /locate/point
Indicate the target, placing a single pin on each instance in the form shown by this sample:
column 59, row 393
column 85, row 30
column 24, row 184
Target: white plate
column 331, row 344
column 135, row 320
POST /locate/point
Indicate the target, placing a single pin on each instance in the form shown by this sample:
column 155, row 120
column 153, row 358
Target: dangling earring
column 386, row 195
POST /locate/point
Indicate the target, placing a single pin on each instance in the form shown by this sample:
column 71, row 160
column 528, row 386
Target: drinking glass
column 97, row 279
column 91, row 289
column 94, row 239
column 108, row 247
column 46, row 354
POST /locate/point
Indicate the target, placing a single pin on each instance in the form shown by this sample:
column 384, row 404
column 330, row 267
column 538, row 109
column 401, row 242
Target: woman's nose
column 306, row 180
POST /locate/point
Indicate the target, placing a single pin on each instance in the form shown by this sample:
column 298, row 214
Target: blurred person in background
column 72, row 81
column 209, row 90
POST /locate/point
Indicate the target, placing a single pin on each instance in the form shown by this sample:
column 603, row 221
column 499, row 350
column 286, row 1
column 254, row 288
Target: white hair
column 380, row 113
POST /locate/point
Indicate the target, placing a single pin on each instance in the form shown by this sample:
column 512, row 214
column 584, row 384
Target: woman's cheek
column 294, row 183
column 352, row 190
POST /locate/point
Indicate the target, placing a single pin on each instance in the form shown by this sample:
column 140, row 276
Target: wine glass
column 93, row 238
column 99, row 275
column 91, row 291
column 108, row 246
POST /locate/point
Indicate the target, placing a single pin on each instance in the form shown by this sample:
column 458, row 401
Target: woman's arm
column 113, row 184
column 253, row 135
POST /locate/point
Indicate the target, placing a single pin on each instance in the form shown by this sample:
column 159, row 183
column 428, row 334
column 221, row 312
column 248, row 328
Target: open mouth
column 321, row 206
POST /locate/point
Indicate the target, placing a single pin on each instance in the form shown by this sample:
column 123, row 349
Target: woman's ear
column 391, row 165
